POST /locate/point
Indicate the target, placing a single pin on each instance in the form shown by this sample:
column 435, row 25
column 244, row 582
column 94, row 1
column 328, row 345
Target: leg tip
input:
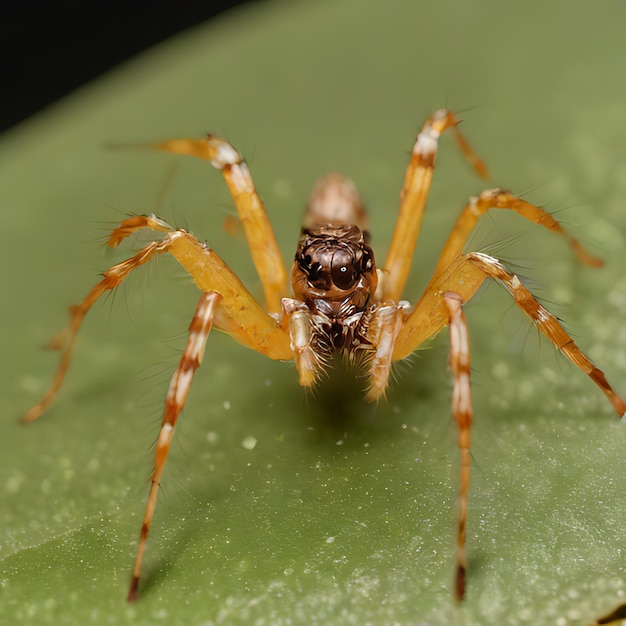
column 31, row 415
column 459, row 583
column 132, row 592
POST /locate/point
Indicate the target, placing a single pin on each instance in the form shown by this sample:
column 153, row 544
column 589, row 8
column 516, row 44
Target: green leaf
column 282, row 508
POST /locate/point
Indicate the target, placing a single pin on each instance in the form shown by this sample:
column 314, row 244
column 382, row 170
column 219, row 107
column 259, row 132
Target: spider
column 340, row 303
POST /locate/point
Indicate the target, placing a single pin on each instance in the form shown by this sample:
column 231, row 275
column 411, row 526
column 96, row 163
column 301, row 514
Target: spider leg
column 299, row 321
column 501, row 199
column 243, row 316
column 462, row 412
column 413, row 198
column 174, row 403
column 259, row 233
column 440, row 306
column 383, row 326
column 463, row 276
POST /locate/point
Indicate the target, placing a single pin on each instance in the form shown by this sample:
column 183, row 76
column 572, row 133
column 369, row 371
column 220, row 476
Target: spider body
column 334, row 276
column 334, row 271
column 340, row 301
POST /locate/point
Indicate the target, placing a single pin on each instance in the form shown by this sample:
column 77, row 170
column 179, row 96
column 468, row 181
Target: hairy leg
column 413, row 198
column 462, row 412
column 265, row 252
column 243, row 316
column 501, row 199
column 463, row 276
column 174, row 403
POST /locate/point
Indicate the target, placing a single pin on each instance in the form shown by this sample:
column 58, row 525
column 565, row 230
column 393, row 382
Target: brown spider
column 341, row 302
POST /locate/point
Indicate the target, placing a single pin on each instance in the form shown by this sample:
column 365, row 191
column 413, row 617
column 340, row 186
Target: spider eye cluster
column 333, row 262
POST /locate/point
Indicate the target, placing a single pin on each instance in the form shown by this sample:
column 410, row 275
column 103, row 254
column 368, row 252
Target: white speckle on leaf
column 249, row 443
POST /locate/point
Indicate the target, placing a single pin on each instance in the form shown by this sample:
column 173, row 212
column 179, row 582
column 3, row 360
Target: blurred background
column 47, row 49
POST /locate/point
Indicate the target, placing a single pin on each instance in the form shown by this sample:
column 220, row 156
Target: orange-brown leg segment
column 440, row 305
column 413, row 198
column 463, row 276
column 174, row 403
column 239, row 313
column 259, row 233
column 501, row 199
column 65, row 340
column 462, row 412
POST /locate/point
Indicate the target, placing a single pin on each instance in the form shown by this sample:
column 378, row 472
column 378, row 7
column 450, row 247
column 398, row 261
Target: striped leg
column 174, row 403
column 462, row 412
column 464, row 275
column 440, row 306
column 501, row 199
column 259, row 233
column 413, row 197
column 64, row 341
column 240, row 315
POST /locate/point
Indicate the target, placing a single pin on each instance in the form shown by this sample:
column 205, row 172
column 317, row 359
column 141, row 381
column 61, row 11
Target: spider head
column 334, row 270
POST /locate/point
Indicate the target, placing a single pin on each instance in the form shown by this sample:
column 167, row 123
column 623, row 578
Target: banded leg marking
column 413, row 198
column 464, row 276
column 242, row 316
column 174, row 403
column 262, row 242
column 64, row 341
column 501, row 199
column 462, row 412
column 547, row 324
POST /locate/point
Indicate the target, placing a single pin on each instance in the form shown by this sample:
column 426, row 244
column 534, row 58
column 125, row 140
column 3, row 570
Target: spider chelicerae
column 340, row 302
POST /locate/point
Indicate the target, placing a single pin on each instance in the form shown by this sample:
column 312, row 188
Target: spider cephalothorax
column 339, row 303
column 334, row 271
column 335, row 277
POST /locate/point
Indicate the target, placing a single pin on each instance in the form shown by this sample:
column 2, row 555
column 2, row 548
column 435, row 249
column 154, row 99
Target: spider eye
column 344, row 272
column 315, row 271
column 317, row 277
column 367, row 263
column 344, row 276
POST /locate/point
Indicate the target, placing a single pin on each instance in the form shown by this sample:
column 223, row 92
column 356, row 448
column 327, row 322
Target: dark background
column 47, row 49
